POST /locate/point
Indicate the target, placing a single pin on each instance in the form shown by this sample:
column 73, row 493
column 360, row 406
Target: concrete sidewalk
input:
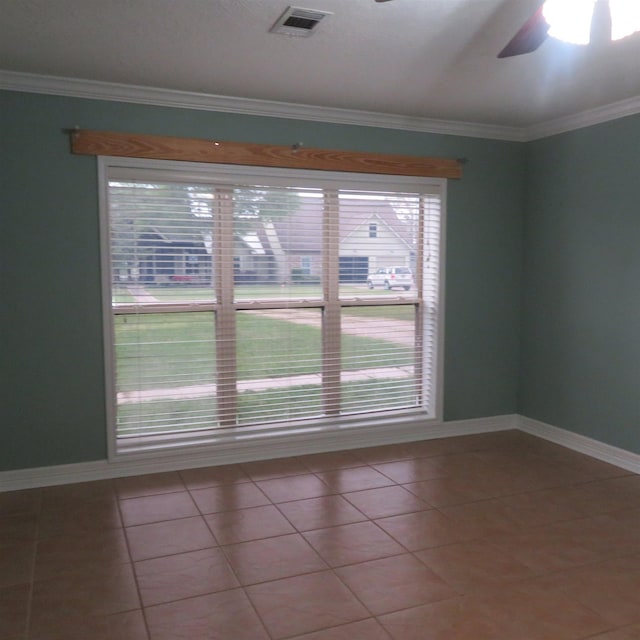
column 209, row 390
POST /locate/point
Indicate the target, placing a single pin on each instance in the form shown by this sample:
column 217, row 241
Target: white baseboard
column 594, row 448
column 246, row 451
column 312, row 443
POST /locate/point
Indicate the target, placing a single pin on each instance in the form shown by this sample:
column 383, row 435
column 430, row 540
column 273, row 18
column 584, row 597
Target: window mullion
column 331, row 353
column 419, row 319
column 226, row 357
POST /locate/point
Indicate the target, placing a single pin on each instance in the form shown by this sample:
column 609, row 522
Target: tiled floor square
column 213, row 476
column 385, row 453
column 170, row 537
column 273, row 558
column 60, row 554
column 555, row 547
column 20, row 503
column 545, row 475
column 631, row 632
column 527, row 610
column 386, row 501
column 14, row 607
column 279, row 468
column 318, row 513
column 248, row 524
column 70, row 495
column 368, row 629
column 218, row 616
column 332, row 460
column 469, row 566
column 165, row 506
column 82, row 593
column 16, row 562
column 413, row 470
column 443, row 492
column 592, row 467
column 302, row 604
column 623, row 492
column 148, row 485
column 422, row 530
column 453, row 619
column 610, row 588
column 229, row 497
column 70, row 518
column 592, row 498
column 620, row 530
column 431, row 448
column 356, row 479
column 351, row 543
column 18, row 528
column 115, row 626
column 462, row 465
column 537, row 508
column 294, row 488
column 183, row 576
column 391, row 584
column 485, row 518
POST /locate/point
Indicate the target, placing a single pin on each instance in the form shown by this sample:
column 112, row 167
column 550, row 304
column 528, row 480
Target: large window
column 246, row 299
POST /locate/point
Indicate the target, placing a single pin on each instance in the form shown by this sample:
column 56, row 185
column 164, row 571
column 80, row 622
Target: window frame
column 179, row 171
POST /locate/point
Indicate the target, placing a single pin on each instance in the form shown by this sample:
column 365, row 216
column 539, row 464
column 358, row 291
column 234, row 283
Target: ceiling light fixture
column 585, row 21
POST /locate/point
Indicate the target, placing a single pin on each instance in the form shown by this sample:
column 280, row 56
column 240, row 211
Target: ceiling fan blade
column 601, row 23
column 530, row 36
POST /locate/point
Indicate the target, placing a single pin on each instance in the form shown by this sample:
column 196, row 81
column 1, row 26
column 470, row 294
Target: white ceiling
column 431, row 59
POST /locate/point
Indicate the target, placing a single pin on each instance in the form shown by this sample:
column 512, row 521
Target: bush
column 299, row 277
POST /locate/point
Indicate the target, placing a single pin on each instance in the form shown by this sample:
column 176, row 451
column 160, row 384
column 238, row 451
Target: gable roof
column 301, row 232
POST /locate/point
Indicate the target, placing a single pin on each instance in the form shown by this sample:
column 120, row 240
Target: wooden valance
column 129, row 145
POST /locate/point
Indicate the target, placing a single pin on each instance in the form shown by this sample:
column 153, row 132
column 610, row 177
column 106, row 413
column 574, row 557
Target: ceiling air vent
column 298, row 22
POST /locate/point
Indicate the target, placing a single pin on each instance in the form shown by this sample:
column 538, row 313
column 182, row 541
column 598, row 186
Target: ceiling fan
column 536, row 30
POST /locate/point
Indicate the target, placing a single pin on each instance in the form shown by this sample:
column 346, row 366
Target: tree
column 153, row 226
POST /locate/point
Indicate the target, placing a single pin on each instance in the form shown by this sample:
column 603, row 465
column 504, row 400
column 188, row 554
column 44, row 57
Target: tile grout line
column 237, row 579
column 27, row 629
column 143, row 610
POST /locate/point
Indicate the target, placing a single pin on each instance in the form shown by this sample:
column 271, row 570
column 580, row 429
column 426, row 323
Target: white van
column 390, row 277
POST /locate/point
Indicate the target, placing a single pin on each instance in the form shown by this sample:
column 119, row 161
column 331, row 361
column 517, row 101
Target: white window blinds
column 246, row 299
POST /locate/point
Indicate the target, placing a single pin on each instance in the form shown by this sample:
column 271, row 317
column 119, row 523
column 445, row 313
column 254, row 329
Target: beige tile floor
column 488, row 537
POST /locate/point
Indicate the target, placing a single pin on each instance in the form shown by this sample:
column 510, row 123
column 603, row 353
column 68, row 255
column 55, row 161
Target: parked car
column 390, row 277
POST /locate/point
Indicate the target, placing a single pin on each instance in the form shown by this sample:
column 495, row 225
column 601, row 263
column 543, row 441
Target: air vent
column 298, row 22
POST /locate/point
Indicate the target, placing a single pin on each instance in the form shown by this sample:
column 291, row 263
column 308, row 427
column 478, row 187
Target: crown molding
column 115, row 92
column 588, row 118
column 94, row 90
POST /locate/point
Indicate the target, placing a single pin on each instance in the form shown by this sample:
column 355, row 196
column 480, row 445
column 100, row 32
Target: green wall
column 52, row 366
column 581, row 307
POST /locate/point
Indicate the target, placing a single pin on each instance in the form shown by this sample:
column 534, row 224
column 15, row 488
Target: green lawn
column 121, row 295
column 166, row 415
column 178, row 349
column 155, row 350
column 392, row 312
